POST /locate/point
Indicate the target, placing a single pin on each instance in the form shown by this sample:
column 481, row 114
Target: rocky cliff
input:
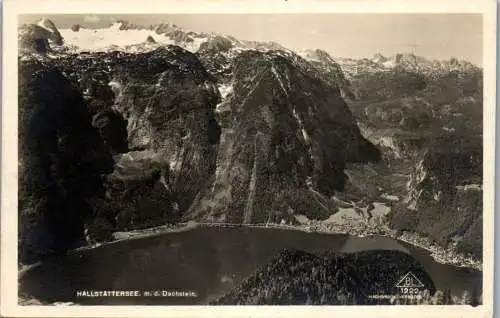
column 444, row 199
column 61, row 158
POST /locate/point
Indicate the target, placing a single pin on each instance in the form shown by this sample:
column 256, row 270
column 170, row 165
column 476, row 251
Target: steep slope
column 284, row 129
column 48, row 25
column 61, row 158
column 219, row 52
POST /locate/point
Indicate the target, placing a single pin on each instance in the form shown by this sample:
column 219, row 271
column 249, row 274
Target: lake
column 208, row 261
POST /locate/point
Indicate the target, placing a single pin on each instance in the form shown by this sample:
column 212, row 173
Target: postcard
column 230, row 158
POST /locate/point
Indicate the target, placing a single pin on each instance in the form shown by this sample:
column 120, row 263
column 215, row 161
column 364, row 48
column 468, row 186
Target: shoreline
column 438, row 253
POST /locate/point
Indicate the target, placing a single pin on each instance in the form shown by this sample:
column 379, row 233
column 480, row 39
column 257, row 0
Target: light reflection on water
column 208, row 260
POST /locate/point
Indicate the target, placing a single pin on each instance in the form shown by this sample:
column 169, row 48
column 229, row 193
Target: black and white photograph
column 252, row 159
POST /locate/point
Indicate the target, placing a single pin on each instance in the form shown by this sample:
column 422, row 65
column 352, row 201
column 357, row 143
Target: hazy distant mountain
column 408, row 62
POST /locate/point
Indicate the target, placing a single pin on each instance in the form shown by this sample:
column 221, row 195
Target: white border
column 8, row 282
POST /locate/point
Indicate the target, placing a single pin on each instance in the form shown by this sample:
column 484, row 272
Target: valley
column 132, row 132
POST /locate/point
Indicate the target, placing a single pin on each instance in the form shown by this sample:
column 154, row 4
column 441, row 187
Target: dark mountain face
column 332, row 72
column 283, row 129
column 61, row 159
column 34, row 38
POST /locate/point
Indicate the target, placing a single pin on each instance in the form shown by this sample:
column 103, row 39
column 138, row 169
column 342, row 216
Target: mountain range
column 129, row 127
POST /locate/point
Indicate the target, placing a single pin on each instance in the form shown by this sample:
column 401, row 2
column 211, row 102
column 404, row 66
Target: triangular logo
column 409, row 280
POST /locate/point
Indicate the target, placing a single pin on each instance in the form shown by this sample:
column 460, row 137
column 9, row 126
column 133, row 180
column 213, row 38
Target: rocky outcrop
column 165, row 28
column 56, row 36
column 330, row 70
column 447, row 163
column 34, row 38
column 218, row 55
column 284, row 129
column 39, row 37
column 168, row 101
column 180, row 37
column 445, row 195
column 216, row 44
column 379, row 58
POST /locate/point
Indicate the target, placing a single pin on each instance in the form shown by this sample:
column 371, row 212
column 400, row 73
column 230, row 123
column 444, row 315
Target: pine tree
column 466, row 298
column 447, row 297
column 438, row 298
column 474, row 298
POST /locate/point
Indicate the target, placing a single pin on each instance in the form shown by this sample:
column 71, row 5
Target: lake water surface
column 206, row 260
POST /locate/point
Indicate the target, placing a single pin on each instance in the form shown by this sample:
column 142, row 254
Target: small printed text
column 135, row 293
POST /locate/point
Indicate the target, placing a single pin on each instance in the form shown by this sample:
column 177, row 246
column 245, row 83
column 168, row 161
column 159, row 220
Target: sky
column 434, row 36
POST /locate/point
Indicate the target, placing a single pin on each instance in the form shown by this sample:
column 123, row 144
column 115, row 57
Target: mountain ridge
column 182, row 36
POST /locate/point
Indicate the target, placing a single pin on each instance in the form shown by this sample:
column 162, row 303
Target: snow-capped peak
column 124, row 36
column 116, row 25
column 379, row 58
column 46, row 24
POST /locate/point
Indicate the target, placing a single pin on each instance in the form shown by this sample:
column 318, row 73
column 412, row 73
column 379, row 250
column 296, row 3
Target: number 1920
column 409, row 290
